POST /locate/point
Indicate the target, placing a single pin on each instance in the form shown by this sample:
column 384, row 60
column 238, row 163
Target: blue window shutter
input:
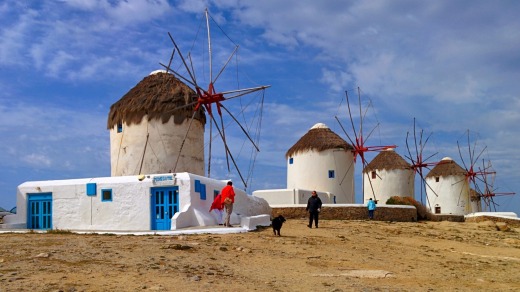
column 331, row 173
column 202, row 191
column 91, row 189
column 291, row 160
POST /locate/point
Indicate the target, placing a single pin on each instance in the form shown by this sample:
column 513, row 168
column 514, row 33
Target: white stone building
column 148, row 125
column 322, row 161
column 448, row 190
column 130, row 203
column 387, row 175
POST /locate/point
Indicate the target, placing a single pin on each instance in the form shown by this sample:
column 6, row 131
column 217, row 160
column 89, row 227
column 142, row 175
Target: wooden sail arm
column 487, row 195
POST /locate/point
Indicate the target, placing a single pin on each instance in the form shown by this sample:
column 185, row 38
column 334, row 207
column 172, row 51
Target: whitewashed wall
column 310, row 170
column 131, row 203
column 291, row 197
column 395, row 182
column 162, row 149
column 451, row 194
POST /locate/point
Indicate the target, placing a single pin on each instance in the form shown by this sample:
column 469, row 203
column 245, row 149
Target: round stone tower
column 322, row 161
column 149, row 124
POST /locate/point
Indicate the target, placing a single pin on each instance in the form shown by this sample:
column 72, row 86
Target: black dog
column 277, row 224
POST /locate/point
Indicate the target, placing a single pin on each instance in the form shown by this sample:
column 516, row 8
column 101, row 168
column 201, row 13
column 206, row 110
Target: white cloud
column 37, row 160
column 137, row 11
column 452, row 65
column 86, row 4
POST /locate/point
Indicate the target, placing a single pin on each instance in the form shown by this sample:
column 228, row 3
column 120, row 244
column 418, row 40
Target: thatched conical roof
column 388, row 160
column 446, row 167
column 159, row 96
column 318, row 138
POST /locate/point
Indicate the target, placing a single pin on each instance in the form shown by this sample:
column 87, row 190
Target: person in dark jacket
column 314, row 208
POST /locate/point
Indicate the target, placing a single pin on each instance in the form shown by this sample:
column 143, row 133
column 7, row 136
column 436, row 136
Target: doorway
column 165, row 203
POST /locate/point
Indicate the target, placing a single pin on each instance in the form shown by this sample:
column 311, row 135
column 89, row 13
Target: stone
column 42, row 255
column 501, row 226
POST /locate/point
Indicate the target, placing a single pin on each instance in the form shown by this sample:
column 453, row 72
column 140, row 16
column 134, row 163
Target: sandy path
column 339, row 256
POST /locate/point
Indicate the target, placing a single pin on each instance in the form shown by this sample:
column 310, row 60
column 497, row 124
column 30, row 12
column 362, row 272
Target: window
column 215, row 194
column 91, row 189
column 119, row 127
column 106, row 195
column 437, row 179
column 291, row 160
column 374, row 174
column 331, row 173
column 201, row 189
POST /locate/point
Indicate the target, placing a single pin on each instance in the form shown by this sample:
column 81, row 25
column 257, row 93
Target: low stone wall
column 515, row 222
column 399, row 213
column 451, row 218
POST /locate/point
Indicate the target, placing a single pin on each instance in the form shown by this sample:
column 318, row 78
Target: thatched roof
column 446, row 167
column 388, row 160
column 159, row 96
column 318, row 138
column 474, row 195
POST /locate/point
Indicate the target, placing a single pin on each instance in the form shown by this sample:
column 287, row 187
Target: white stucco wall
column 310, row 171
column 291, row 197
column 476, row 206
column 451, row 194
column 395, row 182
column 162, row 149
column 130, row 208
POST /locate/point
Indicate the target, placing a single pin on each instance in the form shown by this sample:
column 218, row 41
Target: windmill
column 359, row 139
column 208, row 94
column 418, row 163
column 477, row 178
column 489, row 191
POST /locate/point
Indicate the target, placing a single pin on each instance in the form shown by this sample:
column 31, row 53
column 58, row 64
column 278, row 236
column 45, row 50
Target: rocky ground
column 339, row 256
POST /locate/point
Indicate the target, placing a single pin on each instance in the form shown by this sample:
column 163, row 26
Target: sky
column 453, row 66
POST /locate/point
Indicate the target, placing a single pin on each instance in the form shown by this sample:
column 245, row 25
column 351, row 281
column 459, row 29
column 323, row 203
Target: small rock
column 501, row 226
column 42, row 255
column 195, row 278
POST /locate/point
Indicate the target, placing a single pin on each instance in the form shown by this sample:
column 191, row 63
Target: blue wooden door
column 39, row 211
column 165, row 203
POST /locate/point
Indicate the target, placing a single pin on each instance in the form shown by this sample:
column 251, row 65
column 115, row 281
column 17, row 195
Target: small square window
column 119, row 127
column 91, row 189
column 215, row 194
column 106, row 195
column 374, row 174
column 437, row 179
column 331, row 173
column 291, row 160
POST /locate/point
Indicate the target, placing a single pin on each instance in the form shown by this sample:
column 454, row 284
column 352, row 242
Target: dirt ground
column 339, row 256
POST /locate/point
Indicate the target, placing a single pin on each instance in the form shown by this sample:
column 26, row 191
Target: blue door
column 39, row 211
column 165, row 203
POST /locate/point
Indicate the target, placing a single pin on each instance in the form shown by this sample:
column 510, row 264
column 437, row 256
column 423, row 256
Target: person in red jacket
column 228, row 199
column 218, row 206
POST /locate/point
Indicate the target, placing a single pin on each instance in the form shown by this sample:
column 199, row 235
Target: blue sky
column 452, row 65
